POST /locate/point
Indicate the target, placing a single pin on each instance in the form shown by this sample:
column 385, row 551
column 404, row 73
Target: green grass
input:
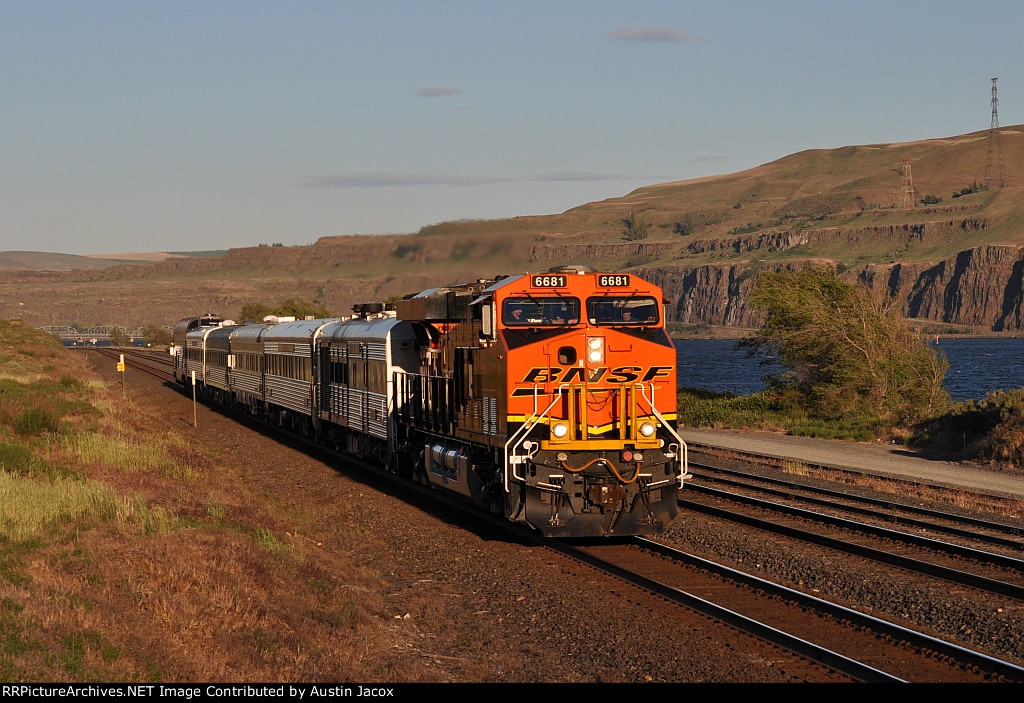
column 167, row 454
column 13, row 641
column 770, row 411
column 28, row 507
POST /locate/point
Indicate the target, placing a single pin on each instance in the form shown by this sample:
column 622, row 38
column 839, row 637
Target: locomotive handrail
column 684, row 469
column 528, row 425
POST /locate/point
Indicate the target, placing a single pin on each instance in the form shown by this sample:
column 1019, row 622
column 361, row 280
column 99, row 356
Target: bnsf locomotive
column 548, row 398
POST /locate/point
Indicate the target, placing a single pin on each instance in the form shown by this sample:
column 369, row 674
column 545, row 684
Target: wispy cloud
column 400, row 180
column 655, row 34
column 438, row 92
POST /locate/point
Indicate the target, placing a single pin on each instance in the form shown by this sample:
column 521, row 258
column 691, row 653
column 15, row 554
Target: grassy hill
column 841, row 206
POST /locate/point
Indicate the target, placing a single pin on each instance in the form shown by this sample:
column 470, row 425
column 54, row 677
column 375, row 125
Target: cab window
column 540, row 311
column 613, row 310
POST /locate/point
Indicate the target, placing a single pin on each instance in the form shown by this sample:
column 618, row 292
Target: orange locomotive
column 550, row 398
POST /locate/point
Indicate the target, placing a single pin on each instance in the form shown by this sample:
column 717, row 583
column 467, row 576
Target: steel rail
column 839, row 662
column 952, row 575
column 789, row 487
column 1010, row 671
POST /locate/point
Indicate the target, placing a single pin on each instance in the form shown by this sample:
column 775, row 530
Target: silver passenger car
column 289, row 358
column 358, row 361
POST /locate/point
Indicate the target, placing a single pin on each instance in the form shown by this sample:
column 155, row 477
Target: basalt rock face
column 782, row 240
column 717, row 295
column 981, row 288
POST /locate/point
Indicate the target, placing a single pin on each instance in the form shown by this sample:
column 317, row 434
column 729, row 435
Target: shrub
column 635, row 230
column 844, row 352
column 34, row 420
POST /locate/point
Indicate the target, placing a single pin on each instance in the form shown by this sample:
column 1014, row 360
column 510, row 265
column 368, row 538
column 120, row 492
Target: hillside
column 49, row 261
column 956, row 261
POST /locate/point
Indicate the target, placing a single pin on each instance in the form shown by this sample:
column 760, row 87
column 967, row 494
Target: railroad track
column 912, row 549
column 978, row 500
column 861, row 646
column 155, row 362
column 918, row 517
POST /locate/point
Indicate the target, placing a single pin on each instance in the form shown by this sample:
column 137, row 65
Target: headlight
column 647, row 429
column 559, row 430
column 595, row 350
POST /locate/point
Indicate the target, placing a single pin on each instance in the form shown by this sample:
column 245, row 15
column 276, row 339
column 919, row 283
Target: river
column 977, row 366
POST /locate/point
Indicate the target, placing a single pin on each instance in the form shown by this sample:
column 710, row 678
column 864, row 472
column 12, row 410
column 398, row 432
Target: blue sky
column 174, row 126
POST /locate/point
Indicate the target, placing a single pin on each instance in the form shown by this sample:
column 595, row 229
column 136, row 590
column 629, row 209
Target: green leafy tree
column 634, row 230
column 684, row 226
column 157, row 335
column 844, row 350
column 119, row 337
column 299, row 308
column 255, row 311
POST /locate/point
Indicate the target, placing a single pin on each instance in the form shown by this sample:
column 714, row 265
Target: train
column 548, row 399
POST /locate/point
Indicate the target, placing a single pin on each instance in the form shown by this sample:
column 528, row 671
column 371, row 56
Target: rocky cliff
column 980, row 288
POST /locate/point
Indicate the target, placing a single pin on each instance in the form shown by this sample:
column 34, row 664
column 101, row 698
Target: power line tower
column 907, row 194
column 995, row 176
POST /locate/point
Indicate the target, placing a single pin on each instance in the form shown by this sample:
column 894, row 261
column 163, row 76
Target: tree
column 119, row 337
column 299, row 308
column 635, row 230
column 844, row 350
column 157, row 335
column 255, row 311
column 684, row 226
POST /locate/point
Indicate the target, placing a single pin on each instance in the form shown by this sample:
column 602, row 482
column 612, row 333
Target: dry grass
column 127, row 554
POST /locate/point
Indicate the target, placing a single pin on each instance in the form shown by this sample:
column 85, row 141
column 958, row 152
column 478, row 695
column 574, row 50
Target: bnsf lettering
column 550, row 281
column 576, row 374
column 656, row 372
column 625, row 374
column 613, row 281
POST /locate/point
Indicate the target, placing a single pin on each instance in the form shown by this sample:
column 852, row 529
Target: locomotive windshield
column 621, row 310
column 534, row 311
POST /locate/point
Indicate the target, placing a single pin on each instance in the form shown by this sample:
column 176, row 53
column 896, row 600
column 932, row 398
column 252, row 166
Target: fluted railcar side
column 247, row 366
column 178, row 345
column 358, row 360
column 290, row 371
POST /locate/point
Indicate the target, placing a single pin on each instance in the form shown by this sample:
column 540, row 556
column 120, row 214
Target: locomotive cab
column 592, row 448
column 556, row 402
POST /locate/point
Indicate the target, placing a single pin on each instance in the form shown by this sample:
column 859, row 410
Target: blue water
column 976, row 366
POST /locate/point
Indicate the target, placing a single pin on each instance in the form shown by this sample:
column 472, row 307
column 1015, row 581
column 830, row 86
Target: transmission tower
column 907, row 194
column 994, row 170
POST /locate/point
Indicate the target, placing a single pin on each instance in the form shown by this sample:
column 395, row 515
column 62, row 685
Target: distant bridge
column 98, row 336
